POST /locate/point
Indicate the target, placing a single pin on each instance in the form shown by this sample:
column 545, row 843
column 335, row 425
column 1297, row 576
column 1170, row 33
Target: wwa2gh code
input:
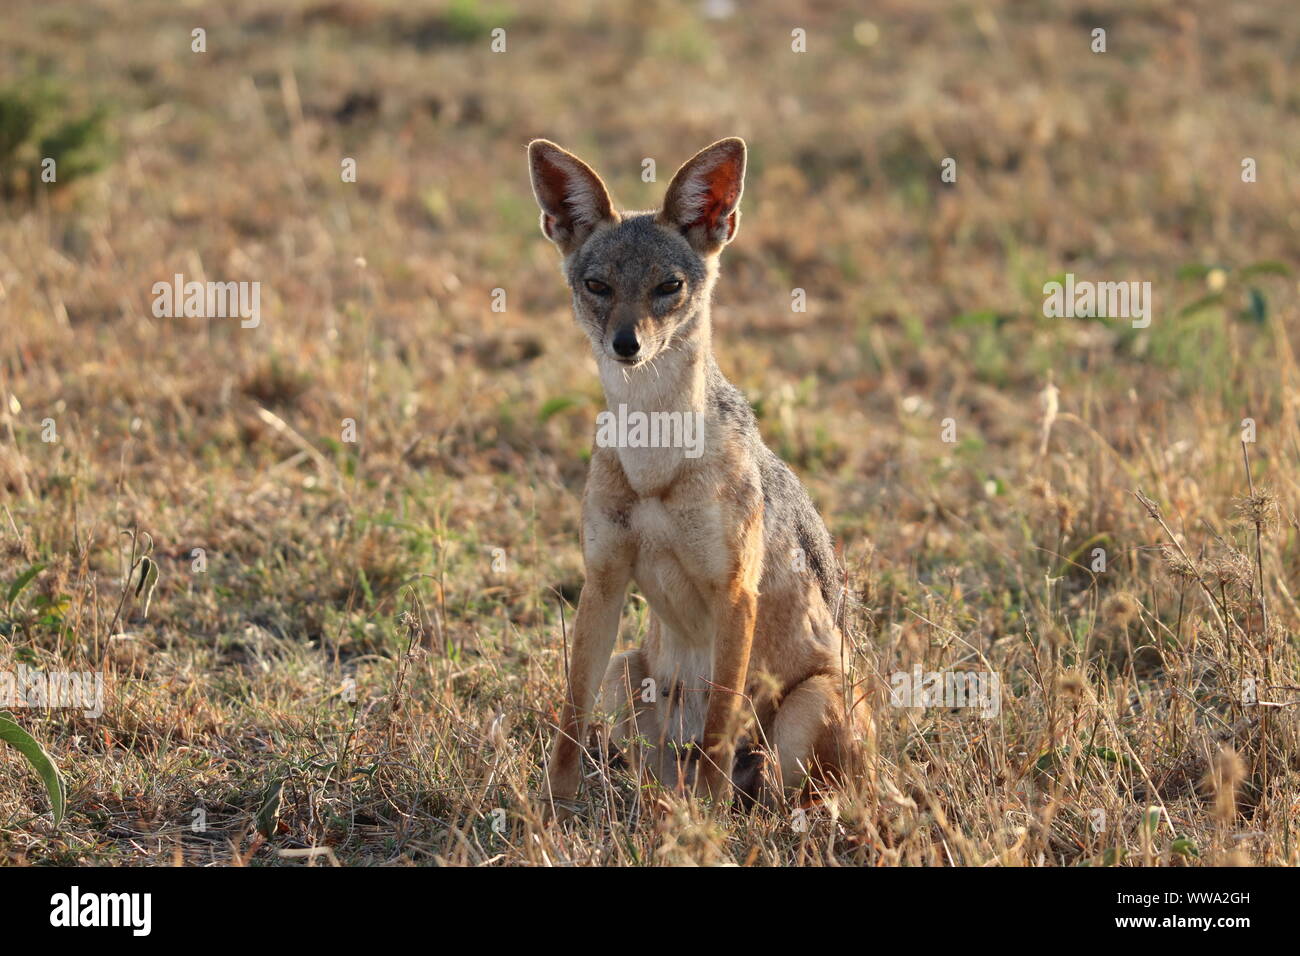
column 1149, row 899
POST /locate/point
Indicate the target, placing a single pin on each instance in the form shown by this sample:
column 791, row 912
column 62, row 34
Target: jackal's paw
column 557, row 810
column 713, row 785
column 749, row 774
column 560, row 788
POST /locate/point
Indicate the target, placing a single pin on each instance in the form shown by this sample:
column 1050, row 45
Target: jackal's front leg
column 737, row 612
column 730, row 668
column 595, row 629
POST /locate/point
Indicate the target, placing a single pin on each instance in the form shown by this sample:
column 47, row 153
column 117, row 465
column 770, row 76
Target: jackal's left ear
column 573, row 199
column 703, row 200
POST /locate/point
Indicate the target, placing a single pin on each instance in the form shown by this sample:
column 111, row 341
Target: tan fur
column 742, row 638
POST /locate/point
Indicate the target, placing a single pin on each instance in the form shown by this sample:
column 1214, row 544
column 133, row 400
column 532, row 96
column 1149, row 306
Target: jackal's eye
column 596, row 287
column 671, row 287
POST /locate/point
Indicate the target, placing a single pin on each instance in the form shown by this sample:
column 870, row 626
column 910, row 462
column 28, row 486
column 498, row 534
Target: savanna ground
column 349, row 662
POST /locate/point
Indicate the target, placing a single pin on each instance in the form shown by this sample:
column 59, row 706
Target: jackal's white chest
column 673, row 573
column 649, row 470
column 680, row 564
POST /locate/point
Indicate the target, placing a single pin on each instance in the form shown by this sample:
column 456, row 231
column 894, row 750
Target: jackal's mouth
column 628, row 361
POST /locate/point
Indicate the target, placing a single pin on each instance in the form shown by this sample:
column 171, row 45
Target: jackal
column 741, row 671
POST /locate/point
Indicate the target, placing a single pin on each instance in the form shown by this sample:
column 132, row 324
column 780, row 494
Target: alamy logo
column 973, row 689
column 29, row 687
column 635, row 429
column 75, row 908
column 208, row 300
column 1106, row 300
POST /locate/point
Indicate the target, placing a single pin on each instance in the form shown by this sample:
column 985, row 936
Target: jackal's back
column 789, row 517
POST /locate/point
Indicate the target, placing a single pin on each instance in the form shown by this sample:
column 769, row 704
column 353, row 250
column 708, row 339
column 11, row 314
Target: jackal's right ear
column 573, row 199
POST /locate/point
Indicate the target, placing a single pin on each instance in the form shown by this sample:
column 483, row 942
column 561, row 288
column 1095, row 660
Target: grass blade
column 28, row 746
column 21, row 582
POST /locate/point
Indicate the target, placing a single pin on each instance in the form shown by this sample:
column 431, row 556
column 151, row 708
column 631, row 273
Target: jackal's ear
column 573, row 199
column 703, row 200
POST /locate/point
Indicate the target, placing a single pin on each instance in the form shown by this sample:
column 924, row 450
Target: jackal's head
column 639, row 279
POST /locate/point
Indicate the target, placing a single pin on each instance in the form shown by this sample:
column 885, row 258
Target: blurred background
column 460, row 496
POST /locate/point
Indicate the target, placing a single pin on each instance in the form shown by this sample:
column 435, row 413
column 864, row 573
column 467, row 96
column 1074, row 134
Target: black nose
column 625, row 343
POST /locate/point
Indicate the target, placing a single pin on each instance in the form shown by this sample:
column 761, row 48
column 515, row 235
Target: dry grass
column 334, row 567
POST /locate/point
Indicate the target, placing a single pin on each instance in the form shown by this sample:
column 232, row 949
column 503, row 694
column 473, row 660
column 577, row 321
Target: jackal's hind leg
column 809, row 739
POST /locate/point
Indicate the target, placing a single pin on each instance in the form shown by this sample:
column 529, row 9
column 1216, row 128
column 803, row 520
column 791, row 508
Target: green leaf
column 981, row 317
column 1051, row 761
column 11, row 733
column 22, row 581
column 1258, row 308
column 148, row 581
column 1151, row 820
column 1047, row 762
column 1112, row 856
column 1184, row 847
column 268, row 816
column 553, row 406
column 1204, row 302
column 1195, row 271
column 1110, row 756
column 1267, row 267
